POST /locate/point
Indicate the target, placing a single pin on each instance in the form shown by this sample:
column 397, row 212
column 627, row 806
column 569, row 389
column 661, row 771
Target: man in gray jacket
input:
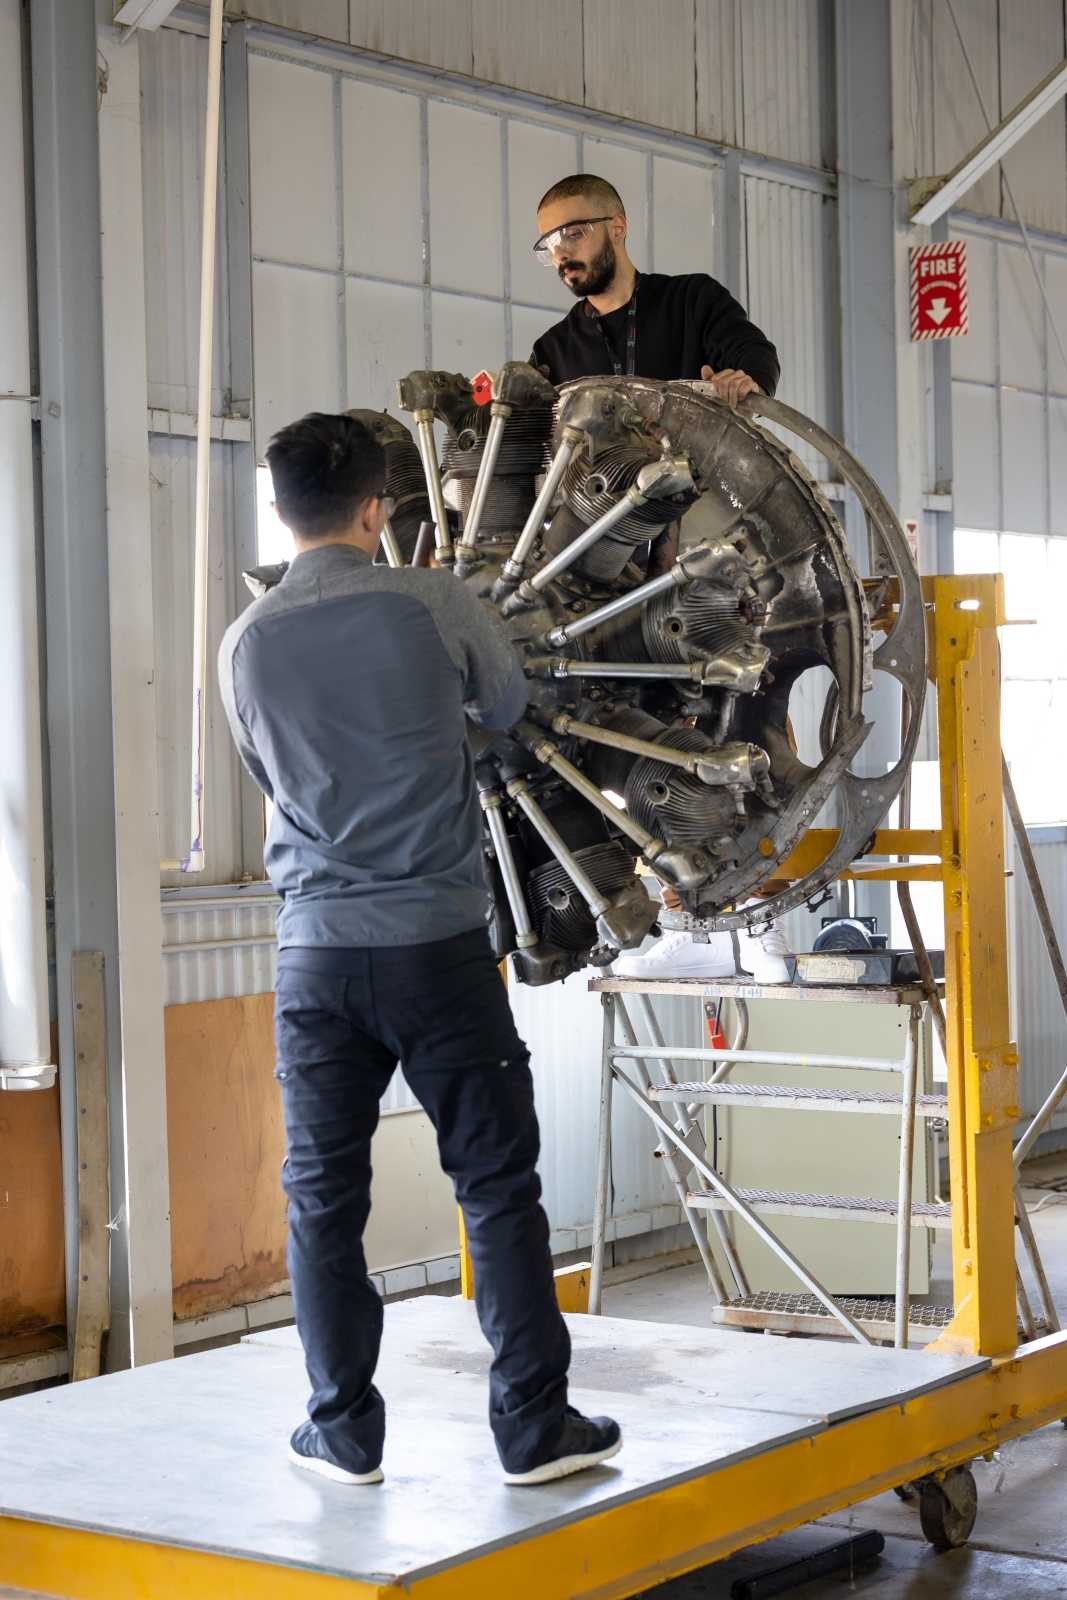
column 348, row 690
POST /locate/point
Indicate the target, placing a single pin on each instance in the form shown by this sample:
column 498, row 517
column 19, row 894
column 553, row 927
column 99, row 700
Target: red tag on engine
column 482, row 388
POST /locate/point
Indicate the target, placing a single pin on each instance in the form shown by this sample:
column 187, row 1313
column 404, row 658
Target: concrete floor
column 1019, row 1545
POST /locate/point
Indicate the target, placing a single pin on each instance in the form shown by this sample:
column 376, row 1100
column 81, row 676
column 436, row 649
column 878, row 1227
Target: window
column 274, row 541
column 1033, row 662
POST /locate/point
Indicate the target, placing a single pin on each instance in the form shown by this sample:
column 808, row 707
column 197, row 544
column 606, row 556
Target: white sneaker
column 763, row 953
column 679, row 955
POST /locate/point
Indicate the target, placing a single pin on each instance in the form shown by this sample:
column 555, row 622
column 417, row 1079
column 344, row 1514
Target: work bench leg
column 603, row 1155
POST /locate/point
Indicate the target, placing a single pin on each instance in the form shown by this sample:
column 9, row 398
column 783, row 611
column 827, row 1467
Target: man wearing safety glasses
column 643, row 324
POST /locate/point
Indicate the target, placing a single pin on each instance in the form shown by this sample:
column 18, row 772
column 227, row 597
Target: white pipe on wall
column 25, row 1042
column 195, row 860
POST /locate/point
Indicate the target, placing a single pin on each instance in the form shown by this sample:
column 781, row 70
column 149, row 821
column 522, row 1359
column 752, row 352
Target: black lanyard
column 631, row 337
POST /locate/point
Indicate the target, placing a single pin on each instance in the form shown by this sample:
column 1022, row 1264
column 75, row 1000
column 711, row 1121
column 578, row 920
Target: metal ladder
column 701, row 1190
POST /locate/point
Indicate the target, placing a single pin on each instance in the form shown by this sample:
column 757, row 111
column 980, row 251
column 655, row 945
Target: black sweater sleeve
column 730, row 339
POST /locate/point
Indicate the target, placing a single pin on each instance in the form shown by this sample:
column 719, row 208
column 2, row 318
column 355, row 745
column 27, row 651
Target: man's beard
column 594, row 278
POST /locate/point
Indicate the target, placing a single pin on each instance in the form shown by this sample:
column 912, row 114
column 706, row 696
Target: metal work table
column 734, row 989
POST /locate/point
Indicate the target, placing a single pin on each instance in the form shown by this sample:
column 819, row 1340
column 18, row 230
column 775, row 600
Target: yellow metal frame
column 624, row 1549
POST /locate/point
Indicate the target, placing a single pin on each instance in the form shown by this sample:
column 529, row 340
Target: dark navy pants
column 344, row 1019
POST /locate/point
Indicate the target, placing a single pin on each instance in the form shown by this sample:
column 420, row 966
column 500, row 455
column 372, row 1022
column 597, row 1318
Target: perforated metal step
column 833, row 1207
column 802, row 1313
column 784, row 1097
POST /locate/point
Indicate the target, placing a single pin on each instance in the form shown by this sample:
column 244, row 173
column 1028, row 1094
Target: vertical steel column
column 982, row 1060
column 242, row 453
column 67, row 195
column 904, row 1186
column 603, row 1156
column 133, row 709
column 866, row 237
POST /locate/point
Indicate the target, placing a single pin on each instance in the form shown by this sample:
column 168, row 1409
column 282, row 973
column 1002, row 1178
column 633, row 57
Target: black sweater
column 683, row 323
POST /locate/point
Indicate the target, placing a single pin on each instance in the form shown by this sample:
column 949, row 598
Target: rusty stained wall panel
column 225, row 1148
column 32, row 1294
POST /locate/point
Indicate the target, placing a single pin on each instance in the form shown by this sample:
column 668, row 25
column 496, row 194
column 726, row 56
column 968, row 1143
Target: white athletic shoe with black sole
column 585, row 1442
column 306, row 1450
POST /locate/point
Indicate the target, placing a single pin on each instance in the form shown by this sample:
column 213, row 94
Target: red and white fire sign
column 939, row 291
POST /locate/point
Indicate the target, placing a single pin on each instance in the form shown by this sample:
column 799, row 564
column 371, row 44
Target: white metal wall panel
column 790, row 255
column 1039, row 1013
column 640, row 61
column 1025, row 462
column 1056, row 293
column 958, row 120
column 1057, row 447
column 382, row 179
column 787, row 75
column 976, row 467
column 438, row 34
column 218, row 950
column 718, row 110
column 683, row 216
column 563, row 1031
column 294, row 174
column 975, row 356
column 173, row 467
column 386, row 339
column 297, row 367
column 466, row 226
column 468, row 335
column 537, row 158
column 1031, row 44
column 533, row 47
column 627, row 168
column 1021, row 320
column 173, row 91
column 528, row 323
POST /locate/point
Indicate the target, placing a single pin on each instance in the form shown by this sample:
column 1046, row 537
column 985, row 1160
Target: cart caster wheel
column 947, row 1509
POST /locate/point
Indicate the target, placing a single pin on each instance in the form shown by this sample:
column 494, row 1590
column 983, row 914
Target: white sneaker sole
column 326, row 1469
column 562, row 1468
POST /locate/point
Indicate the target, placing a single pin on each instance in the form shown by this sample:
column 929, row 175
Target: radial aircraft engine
column 667, row 571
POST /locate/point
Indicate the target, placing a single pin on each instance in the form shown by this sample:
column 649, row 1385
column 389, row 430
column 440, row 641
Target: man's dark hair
column 604, row 194
column 324, row 467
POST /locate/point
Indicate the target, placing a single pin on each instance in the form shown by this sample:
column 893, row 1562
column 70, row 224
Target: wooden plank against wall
column 32, row 1293
column 90, row 1074
column 226, row 1143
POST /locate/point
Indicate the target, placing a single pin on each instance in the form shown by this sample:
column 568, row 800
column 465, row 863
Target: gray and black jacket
column 348, row 688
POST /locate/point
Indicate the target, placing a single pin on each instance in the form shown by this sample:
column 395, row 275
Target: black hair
column 599, row 190
column 324, row 467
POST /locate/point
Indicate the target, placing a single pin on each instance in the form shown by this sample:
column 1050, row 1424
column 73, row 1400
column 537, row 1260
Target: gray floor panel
column 618, row 1357
column 192, row 1452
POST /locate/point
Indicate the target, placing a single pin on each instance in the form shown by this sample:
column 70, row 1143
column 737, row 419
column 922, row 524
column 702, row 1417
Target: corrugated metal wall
column 1009, row 403
column 755, row 73
column 1009, row 385
column 1011, row 46
column 343, row 296
column 173, row 88
column 1039, row 1016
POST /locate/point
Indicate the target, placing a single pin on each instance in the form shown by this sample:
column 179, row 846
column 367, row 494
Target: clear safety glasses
column 566, row 237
